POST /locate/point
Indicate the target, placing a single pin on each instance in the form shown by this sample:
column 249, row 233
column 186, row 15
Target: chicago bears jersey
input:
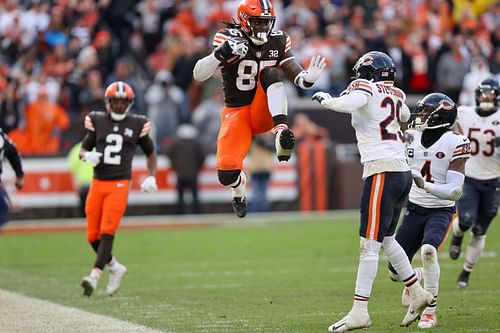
column 481, row 132
column 239, row 79
column 433, row 162
column 117, row 141
column 377, row 126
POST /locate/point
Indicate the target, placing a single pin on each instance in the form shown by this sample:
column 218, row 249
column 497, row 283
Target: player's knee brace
column 428, row 253
column 269, row 76
column 228, row 177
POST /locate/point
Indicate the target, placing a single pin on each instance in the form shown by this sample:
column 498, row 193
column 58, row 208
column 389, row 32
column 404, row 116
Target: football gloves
column 322, row 97
column 232, row 50
column 149, row 185
column 306, row 79
column 92, row 157
column 417, row 178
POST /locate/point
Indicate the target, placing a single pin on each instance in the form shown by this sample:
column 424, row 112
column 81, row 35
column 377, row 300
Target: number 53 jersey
column 481, row 132
column 117, row 141
column 433, row 163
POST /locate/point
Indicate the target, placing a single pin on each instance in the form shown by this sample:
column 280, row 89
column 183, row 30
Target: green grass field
column 242, row 277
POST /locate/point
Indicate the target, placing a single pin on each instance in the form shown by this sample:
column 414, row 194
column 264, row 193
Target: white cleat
column 115, row 278
column 89, row 284
column 428, row 320
column 418, row 302
column 354, row 320
column 405, row 297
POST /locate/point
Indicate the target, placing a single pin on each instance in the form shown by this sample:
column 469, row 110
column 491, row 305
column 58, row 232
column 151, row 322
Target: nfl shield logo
column 258, row 54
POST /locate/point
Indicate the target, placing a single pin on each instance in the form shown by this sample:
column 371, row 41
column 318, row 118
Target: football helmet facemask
column 256, row 19
column 435, row 110
column 488, row 95
column 119, row 98
column 375, row 66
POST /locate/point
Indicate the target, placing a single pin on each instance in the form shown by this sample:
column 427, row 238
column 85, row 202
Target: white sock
column 113, row 263
column 419, row 272
column 95, row 273
column 240, row 190
column 431, row 268
column 474, row 250
column 276, row 99
column 398, row 258
column 455, row 228
column 367, row 269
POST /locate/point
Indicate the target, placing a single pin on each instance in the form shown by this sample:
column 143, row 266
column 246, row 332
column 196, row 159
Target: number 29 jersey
column 117, row 141
column 240, row 79
column 377, row 127
column 481, row 132
column 433, row 163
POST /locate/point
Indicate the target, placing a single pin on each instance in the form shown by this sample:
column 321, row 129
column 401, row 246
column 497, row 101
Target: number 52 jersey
column 481, row 132
column 433, row 163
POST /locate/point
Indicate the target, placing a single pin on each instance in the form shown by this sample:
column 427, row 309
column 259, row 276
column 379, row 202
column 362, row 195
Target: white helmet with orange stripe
column 119, row 97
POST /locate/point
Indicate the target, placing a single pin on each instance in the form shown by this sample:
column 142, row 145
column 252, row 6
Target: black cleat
column 285, row 145
column 463, row 280
column 240, row 206
column 455, row 247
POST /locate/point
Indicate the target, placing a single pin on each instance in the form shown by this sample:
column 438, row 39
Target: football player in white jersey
column 377, row 107
column 480, row 201
column 437, row 159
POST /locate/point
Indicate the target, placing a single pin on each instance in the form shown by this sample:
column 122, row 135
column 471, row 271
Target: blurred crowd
column 56, row 57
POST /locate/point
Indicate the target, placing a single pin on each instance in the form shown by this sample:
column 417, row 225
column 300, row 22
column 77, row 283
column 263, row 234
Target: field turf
column 243, row 277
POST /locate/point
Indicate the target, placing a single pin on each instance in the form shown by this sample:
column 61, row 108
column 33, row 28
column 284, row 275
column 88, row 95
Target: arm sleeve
column 451, row 190
column 348, row 103
column 14, row 159
column 146, row 144
column 205, row 67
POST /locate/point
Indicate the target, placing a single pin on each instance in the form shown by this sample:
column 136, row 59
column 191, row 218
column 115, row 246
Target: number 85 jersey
column 117, row 141
column 481, row 132
column 433, row 163
column 240, row 79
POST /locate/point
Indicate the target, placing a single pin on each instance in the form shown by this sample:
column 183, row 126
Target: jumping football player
column 252, row 58
column 377, row 107
column 114, row 134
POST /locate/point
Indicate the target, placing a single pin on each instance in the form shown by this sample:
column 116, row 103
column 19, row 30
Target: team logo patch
column 128, row 132
column 440, row 155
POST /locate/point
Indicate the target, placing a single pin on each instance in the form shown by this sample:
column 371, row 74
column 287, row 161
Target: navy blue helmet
column 488, row 95
column 375, row 66
column 435, row 110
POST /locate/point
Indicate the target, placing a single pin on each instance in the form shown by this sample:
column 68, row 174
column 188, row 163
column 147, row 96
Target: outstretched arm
column 347, row 103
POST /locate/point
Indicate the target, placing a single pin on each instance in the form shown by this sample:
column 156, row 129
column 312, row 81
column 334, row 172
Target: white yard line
column 22, row 314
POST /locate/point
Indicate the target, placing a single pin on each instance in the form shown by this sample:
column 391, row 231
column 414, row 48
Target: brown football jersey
column 117, row 141
column 239, row 79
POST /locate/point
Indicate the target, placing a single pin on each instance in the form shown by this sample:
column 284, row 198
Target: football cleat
column 116, row 275
column 405, row 297
column 455, row 247
column 285, row 141
column 240, row 206
column 353, row 321
column 418, row 302
column 89, row 284
column 463, row 280
column 427, row 320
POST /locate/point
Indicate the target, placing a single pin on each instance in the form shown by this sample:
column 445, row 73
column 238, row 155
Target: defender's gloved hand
column 92, row 157
column 149, row 185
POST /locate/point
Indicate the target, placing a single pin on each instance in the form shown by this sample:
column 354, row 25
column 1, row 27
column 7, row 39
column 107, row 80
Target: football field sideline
column 30, row 315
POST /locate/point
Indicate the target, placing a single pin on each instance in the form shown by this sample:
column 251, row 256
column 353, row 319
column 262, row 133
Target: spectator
column 260, row 167
column 42, row 132
column 9, row 107
column 206, row 118
column 81, row 173
column 187, row 156
column 478, row 71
